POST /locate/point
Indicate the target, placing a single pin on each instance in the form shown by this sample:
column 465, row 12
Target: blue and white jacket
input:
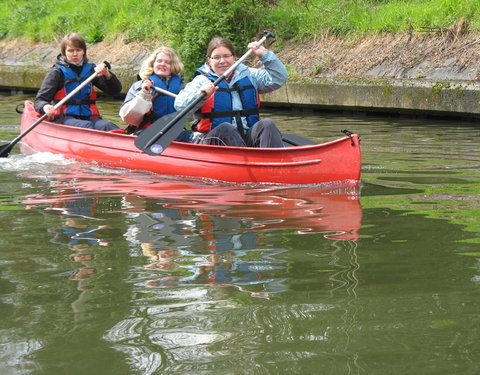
column 269, row 78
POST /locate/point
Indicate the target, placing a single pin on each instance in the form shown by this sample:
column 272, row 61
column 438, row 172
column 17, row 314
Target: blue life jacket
column 83, row 102
column 163, row 104
column 218, row 107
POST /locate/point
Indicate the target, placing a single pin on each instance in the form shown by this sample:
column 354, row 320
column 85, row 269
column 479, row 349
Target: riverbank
column 432, row 71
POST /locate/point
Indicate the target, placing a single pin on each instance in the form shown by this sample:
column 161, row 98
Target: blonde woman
column 151, row 98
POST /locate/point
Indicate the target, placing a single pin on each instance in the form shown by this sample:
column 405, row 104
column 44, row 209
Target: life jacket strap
column 78, row 102
column 76, row 79
column 235, row 88
column 242, row 113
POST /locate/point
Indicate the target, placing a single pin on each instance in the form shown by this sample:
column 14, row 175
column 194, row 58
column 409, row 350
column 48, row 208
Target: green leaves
column 197, row 22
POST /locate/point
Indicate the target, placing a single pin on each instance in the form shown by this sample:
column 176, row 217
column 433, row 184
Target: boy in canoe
column 68, row 73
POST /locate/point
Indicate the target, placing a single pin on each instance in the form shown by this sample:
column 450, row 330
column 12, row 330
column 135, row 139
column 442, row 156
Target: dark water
column 114, row 272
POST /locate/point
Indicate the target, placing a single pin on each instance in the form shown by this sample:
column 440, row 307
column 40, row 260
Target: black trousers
column 263, row 134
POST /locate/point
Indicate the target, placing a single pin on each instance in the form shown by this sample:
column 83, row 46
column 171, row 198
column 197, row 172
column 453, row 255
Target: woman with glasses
column 230, row 114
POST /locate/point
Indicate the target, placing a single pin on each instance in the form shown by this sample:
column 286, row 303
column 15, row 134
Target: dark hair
column 217, row 42
column 75, row 40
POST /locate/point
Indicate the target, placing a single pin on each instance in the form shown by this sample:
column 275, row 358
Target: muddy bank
column 434, row 55
column 426, row 70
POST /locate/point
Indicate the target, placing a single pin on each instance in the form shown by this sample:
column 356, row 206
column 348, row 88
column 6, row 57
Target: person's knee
column 224, row 127
column 265, row 134
column 224, row 134
column 111, row 126
column 266, row 122
column 78, row 123
column 105, row 125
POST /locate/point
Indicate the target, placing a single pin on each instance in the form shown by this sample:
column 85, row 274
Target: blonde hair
column 176, row 65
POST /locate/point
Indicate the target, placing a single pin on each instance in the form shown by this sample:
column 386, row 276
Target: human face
column 74, row 54
column 161, row 65
column 220, row 60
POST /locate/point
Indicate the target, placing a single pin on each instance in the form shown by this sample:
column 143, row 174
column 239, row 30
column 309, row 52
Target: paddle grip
column 268, row 34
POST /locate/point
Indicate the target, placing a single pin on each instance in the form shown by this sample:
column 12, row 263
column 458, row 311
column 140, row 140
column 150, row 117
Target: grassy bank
column 187, row 25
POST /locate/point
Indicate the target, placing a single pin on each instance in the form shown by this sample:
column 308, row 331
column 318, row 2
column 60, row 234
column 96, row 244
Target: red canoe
column 338, row 161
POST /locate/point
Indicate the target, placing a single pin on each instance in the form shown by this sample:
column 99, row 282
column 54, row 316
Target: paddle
column 164, row 92
column 156, row 138
column 5, row 149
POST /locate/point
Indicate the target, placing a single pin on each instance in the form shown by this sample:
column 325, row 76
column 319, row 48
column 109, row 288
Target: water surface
column 106, row 271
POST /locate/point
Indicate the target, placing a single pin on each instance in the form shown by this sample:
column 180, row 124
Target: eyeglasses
column 218, row 58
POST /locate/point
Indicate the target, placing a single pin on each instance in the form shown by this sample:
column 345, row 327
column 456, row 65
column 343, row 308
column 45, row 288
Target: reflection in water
column 79, row 228
column 200, row 232
column 206, row 250
column 300, row 293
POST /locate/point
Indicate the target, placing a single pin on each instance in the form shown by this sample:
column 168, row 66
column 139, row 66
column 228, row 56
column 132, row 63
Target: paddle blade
column 156, row 138
column 5, row 150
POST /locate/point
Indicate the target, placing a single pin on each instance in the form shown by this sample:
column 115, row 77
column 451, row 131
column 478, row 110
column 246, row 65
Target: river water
column 105, row 271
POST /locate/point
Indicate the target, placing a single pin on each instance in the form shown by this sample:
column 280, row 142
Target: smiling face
column 162, row 66
column 74, row 54
column 221, row 59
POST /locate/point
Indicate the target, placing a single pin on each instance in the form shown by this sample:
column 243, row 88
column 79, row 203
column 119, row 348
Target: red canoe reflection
column 334, row 211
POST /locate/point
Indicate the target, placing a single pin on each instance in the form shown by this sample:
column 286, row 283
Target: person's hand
column 102, row 70
column 208, row 89
column 257, row 49
column 147, row 86
column 49, row 110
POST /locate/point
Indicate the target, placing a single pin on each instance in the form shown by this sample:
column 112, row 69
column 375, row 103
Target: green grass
column 370, row 17
column 187, row 25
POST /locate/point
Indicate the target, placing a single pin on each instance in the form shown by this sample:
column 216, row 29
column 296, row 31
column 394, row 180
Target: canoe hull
column 338, row 161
